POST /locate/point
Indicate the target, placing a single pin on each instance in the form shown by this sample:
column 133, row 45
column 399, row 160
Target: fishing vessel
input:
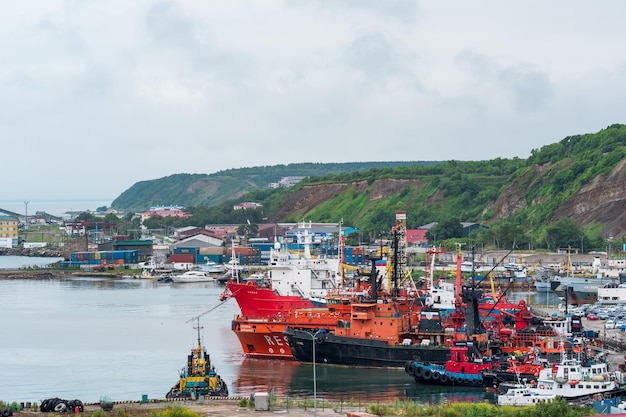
column 293, row 282
column 199, row 377
column 573, row 380
column 386, row 328
column 580, row 287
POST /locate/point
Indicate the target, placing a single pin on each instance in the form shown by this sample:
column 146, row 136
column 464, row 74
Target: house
column 8, row 231
column 286, row 182
column 246, row 205
column 164, row 211
column 416, row 237
column 144, row 248
column 200, row 239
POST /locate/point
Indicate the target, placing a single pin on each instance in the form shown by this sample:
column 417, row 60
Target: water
column 15, row 262
column 87, row 337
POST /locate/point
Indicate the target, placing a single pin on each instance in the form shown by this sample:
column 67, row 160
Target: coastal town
column 443, row 316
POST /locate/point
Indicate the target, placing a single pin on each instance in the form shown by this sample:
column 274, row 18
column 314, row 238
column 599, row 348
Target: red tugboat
column 465, row 367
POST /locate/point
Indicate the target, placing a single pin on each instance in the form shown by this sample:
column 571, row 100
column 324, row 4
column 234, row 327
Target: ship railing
column 326, row 281
column 298, row 290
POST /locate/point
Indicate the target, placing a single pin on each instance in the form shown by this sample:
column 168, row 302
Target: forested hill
column 577, row 184
column 213, row 189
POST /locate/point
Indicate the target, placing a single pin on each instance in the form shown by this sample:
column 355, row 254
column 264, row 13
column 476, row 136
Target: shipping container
column 213, row 250
column 184, row 251
column 182, row 258
column 245, row 251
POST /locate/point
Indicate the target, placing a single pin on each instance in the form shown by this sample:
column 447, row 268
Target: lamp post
column 314, row 337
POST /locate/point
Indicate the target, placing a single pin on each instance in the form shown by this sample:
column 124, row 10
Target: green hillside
column 214, row 189
column 566, row 193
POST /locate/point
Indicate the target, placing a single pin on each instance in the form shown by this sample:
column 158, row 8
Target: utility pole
column 26, row 221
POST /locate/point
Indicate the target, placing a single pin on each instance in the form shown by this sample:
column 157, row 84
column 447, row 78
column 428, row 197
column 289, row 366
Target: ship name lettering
column 274, row 340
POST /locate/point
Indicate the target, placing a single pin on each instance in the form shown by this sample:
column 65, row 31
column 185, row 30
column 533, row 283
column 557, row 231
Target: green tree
column 563, row 233
column 248, row 230
column 445, row 229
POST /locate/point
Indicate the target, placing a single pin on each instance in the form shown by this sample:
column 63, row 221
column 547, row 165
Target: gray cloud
column 165, row 87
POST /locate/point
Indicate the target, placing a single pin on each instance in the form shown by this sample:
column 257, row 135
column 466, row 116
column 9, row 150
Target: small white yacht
column 192, row 276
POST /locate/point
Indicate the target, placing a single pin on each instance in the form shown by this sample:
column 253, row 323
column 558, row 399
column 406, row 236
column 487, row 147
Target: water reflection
column 339, row 383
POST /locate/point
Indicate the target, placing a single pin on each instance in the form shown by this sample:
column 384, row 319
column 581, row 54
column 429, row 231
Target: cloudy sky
column 96, row 95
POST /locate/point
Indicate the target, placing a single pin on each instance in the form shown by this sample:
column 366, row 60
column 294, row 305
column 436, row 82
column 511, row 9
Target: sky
column 98, row 95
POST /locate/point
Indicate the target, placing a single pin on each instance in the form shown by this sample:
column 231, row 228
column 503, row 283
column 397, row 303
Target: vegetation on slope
column 517, row 199
column 213, row 189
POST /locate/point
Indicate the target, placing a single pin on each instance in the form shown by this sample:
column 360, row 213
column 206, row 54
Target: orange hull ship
column 263, row 338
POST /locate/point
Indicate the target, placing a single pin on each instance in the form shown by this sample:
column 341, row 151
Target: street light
column 314, row 336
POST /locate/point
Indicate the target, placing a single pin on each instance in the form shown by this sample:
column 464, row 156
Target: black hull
column 339, row 350
column 439, row 376
column 493, row 379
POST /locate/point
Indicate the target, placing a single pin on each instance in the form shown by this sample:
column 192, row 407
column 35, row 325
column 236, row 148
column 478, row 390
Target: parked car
column 592, row 317
column 610, row 324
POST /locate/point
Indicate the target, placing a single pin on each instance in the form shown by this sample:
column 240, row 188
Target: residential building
column 246, row 205
column 165, row 211
column 286, row 182
column 8, row 231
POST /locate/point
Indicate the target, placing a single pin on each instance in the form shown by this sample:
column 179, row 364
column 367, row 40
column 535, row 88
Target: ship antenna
column 198, row 327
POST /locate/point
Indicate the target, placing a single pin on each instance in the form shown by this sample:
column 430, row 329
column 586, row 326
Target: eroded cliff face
column 603, row 201
column 307, row 198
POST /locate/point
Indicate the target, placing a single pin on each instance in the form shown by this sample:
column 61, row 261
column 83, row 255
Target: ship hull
column 341, row 350
column 259, row 302
column 578, row 294
column 263, row 340
column 493, row 379
column 579, row 290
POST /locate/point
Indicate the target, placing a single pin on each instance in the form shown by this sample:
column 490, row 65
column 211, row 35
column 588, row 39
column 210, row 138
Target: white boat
column 214, row 268
column 520, row 394
column 192, row 276
column 573, row 381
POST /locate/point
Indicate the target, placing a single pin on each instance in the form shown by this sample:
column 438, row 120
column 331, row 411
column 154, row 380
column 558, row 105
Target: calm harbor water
column 87, row 337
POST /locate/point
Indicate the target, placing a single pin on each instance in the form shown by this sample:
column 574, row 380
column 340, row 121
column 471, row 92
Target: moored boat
column 520, row 394
column 578, row 286
column 464, row 367
column 573, row 380
column 292, row 282
column 192, row 276
column 385, row 331
column 199, row 377
column 516, row 369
